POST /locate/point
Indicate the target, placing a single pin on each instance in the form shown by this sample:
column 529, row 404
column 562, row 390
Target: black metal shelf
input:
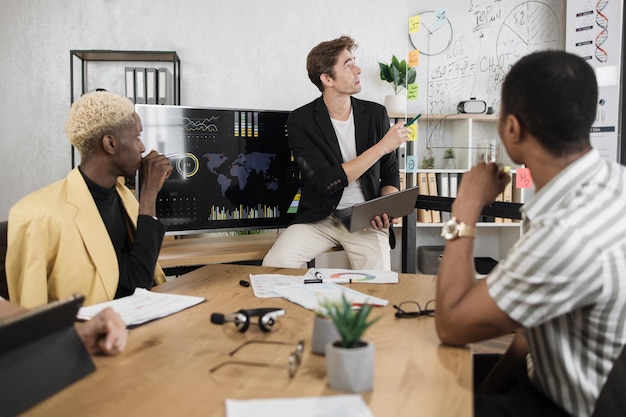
column 101, row 55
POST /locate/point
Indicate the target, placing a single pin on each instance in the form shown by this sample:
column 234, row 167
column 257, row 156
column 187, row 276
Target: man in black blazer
column 346, row 152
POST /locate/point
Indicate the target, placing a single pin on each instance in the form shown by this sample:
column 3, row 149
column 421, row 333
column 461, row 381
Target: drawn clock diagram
column 435, row 34
column 531, row 26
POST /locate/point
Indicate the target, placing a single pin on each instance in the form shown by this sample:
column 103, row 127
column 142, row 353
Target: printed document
column 143, row 306
column 351, row 405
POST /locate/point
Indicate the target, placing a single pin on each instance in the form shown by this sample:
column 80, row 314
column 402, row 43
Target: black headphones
column 267, row 318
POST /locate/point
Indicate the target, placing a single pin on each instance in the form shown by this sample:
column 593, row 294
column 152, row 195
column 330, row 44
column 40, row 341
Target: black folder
column 40, row 354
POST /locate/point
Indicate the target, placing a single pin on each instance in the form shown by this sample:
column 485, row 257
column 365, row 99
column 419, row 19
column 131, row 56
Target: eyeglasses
column 411, row 309
column 293, row 361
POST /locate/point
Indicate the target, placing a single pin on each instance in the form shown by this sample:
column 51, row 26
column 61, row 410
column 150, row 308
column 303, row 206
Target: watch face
column 450, row 229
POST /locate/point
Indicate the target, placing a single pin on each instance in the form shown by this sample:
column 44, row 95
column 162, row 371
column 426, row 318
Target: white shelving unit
column 467, row 135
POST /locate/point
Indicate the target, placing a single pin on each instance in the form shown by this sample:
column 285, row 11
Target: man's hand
column 384, row 221
column 155, row 169
column 480, row 186
column 104, row 334
column 395, row 136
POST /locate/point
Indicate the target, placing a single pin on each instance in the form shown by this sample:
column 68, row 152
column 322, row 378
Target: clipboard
column 40, row 354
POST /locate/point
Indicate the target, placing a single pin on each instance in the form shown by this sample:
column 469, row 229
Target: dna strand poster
column 594, row 32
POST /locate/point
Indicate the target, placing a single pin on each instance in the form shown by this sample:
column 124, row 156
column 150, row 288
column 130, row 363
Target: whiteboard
column 466, row 47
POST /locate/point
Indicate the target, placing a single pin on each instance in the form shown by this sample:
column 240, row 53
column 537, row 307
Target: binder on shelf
column 130, row 83
column 517, row 193
column 444, row 191
column 151, row 86
column 423, row 215
column 432, row 190
column 140, row 85
column 165, row 85
column 507, row 197
column 454, row 184
column 401, row 155
column 499, row 219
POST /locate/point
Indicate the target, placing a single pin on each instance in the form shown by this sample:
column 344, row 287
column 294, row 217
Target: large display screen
column 233, row 169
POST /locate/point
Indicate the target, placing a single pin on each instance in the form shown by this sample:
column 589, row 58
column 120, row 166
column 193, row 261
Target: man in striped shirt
column 563, row 285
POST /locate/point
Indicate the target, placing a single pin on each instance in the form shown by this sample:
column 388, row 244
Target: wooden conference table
column 164, row 370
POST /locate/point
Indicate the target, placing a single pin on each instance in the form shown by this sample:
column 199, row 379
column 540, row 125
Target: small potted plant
column 399, row 75
column 428, row 162
column 449, row 157
column 324, row 331
column 349, row 360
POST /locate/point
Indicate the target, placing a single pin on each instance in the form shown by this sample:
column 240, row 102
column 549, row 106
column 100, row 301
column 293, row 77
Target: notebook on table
column 40, row 354
column 359, row 216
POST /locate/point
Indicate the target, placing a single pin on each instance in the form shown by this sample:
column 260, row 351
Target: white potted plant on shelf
column 349, row 360
column 449, row 157
column 399, row 75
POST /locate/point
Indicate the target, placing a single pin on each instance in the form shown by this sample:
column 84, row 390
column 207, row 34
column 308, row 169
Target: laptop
column 359, row 216
column 40, row 354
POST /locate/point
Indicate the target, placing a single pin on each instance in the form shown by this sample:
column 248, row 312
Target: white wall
column 234, row 53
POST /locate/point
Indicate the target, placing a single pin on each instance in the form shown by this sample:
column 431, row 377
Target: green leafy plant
column 351, row 324
column 428, row 162
column 398, row 74
column 449, row 154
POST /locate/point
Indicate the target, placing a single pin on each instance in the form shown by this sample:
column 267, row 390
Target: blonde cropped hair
column 94, row 115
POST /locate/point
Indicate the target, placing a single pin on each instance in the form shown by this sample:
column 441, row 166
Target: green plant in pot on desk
column 399, row 75
column 349, row 360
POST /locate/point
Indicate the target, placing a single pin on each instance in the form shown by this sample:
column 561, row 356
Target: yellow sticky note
column 414, row 24
column 411, row 92
column 413, row 132
column 414, row 58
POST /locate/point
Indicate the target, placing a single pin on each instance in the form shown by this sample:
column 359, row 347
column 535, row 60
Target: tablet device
column 359, row 216
column 40, row 354
column 22, row 328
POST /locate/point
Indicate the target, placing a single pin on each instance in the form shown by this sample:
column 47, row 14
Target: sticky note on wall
column 414, row 24
column 411, row 93
column 523, row 179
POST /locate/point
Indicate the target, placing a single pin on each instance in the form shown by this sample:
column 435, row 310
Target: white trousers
column 300, row 243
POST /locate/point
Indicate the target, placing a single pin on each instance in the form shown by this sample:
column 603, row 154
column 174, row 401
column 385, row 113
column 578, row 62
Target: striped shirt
column 564, row 281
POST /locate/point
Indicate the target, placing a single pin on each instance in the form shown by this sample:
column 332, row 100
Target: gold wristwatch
column 452, row 229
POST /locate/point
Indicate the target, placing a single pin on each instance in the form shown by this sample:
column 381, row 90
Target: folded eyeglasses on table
column 293, row 361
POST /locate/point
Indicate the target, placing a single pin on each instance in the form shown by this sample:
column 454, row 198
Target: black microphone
column 219, row 318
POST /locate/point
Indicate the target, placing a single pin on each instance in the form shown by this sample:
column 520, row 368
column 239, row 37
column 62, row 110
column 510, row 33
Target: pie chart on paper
column 354, row 276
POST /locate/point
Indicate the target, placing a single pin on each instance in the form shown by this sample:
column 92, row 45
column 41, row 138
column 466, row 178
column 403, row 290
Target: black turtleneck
column 137, row 250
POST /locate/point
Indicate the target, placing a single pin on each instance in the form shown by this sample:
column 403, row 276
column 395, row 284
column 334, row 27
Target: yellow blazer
column 58, row 245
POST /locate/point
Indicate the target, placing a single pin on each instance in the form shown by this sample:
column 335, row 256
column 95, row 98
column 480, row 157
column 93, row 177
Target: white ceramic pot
column 396, row 104
column 450, row 163
column 350, row 369
column 324, row 331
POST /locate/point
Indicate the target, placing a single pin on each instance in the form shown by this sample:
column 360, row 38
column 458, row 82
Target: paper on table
column 143, row 306
column 309, row 295
column 264, row 285
column 356, row 276
column 334, row 405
